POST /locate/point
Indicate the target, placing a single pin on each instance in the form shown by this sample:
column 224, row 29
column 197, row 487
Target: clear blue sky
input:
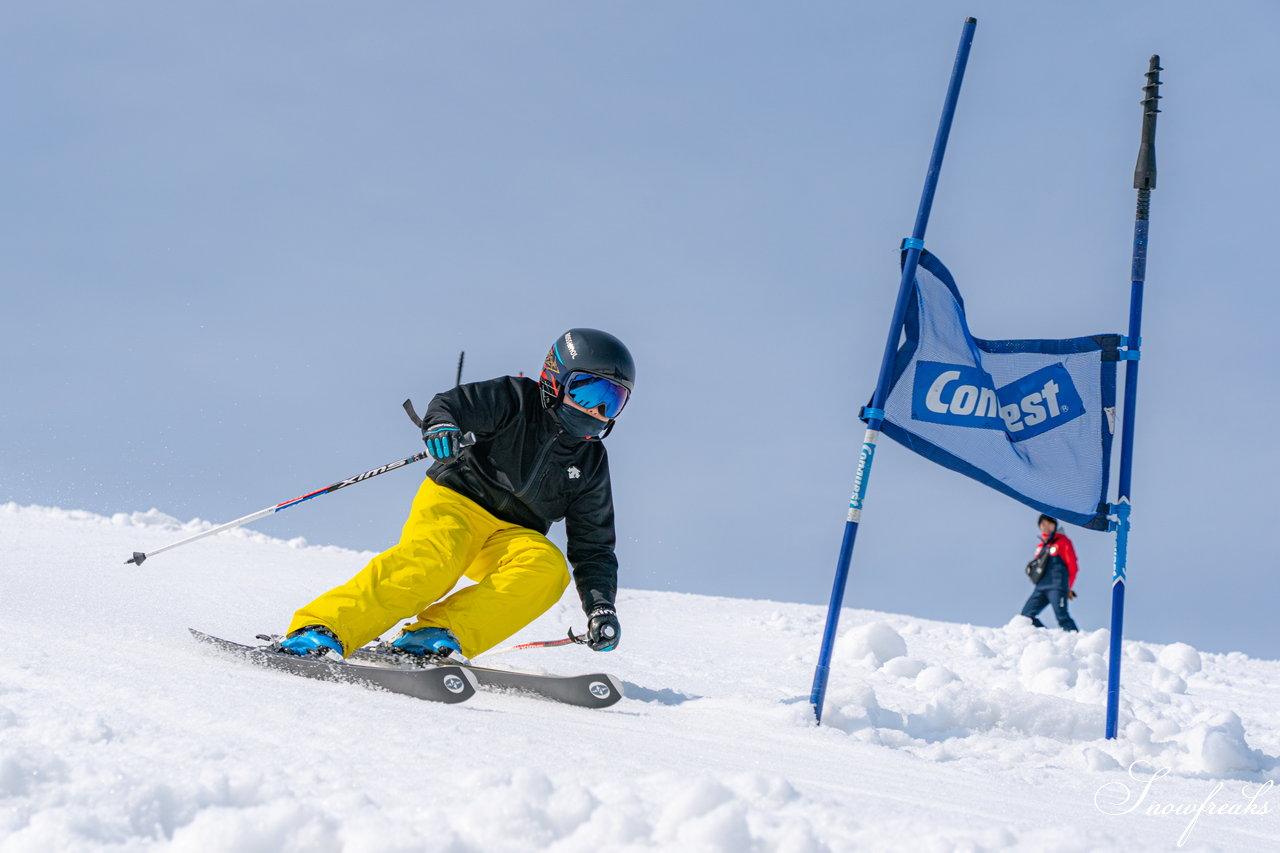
column 234, row 236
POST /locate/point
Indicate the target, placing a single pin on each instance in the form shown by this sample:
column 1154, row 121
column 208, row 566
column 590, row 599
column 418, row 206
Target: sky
column 235, row 236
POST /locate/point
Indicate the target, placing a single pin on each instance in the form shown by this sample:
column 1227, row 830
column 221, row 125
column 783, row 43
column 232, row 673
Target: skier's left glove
column 442, row 440
column 1071, row 595
column 603, row 630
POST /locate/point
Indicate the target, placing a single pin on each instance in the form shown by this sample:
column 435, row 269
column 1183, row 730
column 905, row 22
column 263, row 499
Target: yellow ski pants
column 519, row 574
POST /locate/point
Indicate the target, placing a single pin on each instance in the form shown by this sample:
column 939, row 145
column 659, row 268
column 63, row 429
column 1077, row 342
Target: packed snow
column 119, row 732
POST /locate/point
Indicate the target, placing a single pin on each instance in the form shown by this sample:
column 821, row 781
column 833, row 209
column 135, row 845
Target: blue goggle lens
column 591, row 392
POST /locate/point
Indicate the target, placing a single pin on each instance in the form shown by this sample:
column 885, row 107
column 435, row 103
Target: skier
column 484, row 510
column 1054, row 587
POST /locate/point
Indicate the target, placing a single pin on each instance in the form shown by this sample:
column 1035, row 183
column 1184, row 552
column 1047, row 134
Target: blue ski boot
column 436, row 642
column 312, row 640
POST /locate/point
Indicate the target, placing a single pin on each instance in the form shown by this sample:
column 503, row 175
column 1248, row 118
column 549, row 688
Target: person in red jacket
column 1054, row 587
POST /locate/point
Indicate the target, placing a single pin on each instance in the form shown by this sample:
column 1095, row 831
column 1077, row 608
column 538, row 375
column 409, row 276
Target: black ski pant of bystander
column 1042, row 597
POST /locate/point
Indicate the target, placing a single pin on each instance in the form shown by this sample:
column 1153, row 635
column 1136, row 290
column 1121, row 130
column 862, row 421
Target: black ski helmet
column 589, row 351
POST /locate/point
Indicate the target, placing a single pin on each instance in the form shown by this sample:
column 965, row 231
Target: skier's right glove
column 442, row 441
column 603, row 630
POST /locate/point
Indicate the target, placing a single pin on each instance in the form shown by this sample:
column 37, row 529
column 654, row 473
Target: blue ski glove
column 442, row 441
column 603, row 630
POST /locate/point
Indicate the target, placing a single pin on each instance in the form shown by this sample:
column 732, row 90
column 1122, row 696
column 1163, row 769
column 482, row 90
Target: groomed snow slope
column 118, row 732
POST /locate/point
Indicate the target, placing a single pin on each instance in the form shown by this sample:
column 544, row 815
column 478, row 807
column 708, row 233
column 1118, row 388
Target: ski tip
column 601, row 691
column 136, row 559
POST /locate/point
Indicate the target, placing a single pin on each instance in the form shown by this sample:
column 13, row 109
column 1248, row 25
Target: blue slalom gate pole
column 913, row 246
column 1144, row 181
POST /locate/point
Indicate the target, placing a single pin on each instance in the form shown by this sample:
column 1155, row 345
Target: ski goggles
column 591, row 392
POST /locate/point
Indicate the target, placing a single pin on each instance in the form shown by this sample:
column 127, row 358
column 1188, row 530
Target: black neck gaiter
column 578, row 424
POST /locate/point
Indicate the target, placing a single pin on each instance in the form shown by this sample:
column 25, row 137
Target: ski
column 445, row 683
column 592, row 690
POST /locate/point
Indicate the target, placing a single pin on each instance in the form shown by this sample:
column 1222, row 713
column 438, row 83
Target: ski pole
column 139, row 556
column 580, row 639
column 467, row 440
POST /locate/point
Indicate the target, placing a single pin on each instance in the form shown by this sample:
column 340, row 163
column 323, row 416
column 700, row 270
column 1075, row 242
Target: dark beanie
column 1049, row 519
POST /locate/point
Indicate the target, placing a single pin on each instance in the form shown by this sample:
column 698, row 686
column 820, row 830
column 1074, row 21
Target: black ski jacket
column 525, row 469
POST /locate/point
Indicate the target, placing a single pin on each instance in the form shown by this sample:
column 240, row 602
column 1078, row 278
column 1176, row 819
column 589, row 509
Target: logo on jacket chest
column 574, row 473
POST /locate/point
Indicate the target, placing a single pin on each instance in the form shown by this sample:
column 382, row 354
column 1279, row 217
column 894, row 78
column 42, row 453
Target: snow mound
column 1032, row 695
column 874, row 644
column 1217, row 747
column 1181, row 659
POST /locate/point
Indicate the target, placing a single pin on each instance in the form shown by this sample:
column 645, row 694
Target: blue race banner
column 1033, row 419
